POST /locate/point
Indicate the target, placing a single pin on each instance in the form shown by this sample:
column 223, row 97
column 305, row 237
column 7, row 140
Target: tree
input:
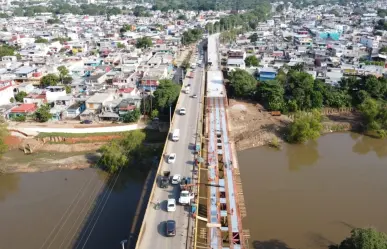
column 53, row 21
column 383, row 49
column 119, row 153
column 43, row 114
column 63, row 72
column 6, row 50
column 120, row 45
column 280, row 8
column 253, row 37
column 364, row 238
column 40, row 40
column 154, row 114
column 68, row 89
column 182, row 17
column 271, row 94
column 49, row 80
column 132, row 116
column 166, row 94
column 113, row 157
column 144, row 42
column 242, row 84
column 252, row 61
column 19, row 97
column 306, row 126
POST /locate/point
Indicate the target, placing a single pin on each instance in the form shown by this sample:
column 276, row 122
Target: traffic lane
column 156, row 218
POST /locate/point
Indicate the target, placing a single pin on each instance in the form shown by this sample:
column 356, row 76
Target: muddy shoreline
column 251, row 126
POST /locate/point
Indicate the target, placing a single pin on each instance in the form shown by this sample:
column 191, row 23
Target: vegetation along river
column 67, row 208
column 310, row 196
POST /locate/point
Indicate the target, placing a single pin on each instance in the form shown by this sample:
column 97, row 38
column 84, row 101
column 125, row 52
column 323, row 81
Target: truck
column 176, row 135
column 185, row 197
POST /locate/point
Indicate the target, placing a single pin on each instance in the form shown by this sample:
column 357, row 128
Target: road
column 154, row 229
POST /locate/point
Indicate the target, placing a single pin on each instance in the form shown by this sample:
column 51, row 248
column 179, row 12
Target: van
column 176, row 135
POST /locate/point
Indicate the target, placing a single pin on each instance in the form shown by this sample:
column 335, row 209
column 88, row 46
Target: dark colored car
column 86, row 122
column 164, row 181
column 170, row 228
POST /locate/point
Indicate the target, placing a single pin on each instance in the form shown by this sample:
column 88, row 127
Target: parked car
column 170, row 228
column 176, row 179
column 86, row 122
column 171, row 158
column 194, row 96
column 182, row 111
column 171, row 206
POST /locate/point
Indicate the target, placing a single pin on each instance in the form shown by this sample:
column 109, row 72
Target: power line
column 64, row 214
column 90, row 200
column 68, row 216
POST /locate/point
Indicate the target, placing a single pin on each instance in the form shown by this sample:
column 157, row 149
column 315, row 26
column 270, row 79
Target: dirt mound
column 13, row 142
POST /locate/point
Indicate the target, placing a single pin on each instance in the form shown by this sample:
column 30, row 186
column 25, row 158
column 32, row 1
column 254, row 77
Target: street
column 154, row 228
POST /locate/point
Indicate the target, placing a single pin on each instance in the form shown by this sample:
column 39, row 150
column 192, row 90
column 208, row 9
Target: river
column 310, row 196
column 67, row 209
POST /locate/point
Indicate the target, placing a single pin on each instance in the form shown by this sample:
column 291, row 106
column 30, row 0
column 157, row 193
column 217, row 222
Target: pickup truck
column 185, row 197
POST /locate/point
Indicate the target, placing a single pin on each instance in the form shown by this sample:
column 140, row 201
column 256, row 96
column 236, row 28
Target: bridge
column 214, row 219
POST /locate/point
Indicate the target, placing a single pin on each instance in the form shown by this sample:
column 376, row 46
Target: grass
column 152, row 136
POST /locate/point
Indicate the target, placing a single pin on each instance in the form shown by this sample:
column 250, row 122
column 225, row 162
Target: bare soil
column 252, row 126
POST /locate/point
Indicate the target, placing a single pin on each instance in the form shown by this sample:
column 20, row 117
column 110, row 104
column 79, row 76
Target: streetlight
column 123, row 243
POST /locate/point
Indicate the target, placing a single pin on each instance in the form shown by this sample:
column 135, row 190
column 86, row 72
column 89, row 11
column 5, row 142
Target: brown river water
column 310, row 196
column 67, row 209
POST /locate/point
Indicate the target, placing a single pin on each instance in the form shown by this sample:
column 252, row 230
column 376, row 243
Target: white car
column 176, row 179
column 171, row 206
column 182, row 111
column 171, row 158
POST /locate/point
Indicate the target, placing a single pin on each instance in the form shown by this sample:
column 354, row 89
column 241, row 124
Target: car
column 170, row 228
column 164, row 182
column 171, row 158
column 171, row 206
column 182, row 111
column 188, row 85
column 194, row 96
column 86, row 122
column 176, row 179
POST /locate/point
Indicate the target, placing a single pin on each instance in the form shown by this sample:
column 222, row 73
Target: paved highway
column 154, row 227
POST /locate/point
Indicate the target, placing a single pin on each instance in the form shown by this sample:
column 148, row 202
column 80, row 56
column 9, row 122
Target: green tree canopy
column 119, row 153
column 41, row 40
column 49, row 80
column 191, row 36
column 43, row 114
column 63, row 72
column 306, row 126
column 140, row 11
column 252, row 61
column 6, row 50
column 132, row 116
column 242, row 84
column 144, row 42
column 253, row 37
column 271, row 94
column 166, row 94
column 19, row 97
column 364, row 238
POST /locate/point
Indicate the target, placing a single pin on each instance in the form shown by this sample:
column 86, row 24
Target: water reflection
column 9, row 184
column 365, row 145
column 302, row 155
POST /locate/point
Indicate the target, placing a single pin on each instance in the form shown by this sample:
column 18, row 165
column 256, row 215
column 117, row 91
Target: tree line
column 191, row 36
column 297, row 91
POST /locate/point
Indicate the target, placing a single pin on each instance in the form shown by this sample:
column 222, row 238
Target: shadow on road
column 161, row 228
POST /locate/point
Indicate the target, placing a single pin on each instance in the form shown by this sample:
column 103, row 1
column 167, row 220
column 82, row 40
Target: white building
column 6, row 92
column 370, row 41
column 54, row 92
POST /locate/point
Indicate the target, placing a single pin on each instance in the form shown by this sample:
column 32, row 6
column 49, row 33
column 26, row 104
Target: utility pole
column 170, row 114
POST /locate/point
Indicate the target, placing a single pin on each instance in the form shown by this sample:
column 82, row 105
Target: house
column 24, row 87
column 60, row 105
column 36, row 98
column 22, row 110
column 54, row 92
column 74, row 110
column 97, row 101
column 267, row 74
column 6, row 92
column 128, row 105
column 234, row 63
column 123, row 80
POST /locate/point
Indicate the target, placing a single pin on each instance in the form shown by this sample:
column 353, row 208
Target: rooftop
column 215, row 86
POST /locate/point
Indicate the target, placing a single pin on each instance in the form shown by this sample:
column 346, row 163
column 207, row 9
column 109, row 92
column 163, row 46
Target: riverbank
column 15, row 161
column 251, row 126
